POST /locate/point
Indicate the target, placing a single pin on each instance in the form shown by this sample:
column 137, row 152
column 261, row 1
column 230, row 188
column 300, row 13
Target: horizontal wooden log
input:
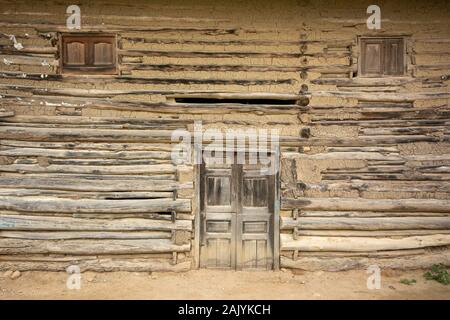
column 90, row 162
column 369, row 214
column 67, row 235
column 146, row 80
column 352, row 204
column 388, row 186
column 104, row 93
column 45, row 223
column 99, row 265
column 309, row 243
column 345, row 156
column 391, row 223
column 59, row 134
column 89, row 247
column 6, row 114
column 84, row 195
column 95, row 183
column 370, row 254
column 372, row 233
column 93, row 206
column 80, row 154
column 404, row 131
column 49, row 61
column 361, row 141
column 88, row 169
column 108, row 146
column 387, row 96
column 423, row 261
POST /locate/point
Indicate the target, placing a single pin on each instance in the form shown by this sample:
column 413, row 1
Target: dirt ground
column 208, row 284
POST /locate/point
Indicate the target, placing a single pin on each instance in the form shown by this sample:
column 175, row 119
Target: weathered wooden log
column 386, row 177
column 385, row 186
column 68, row 235
column 344, row 156
column 81, row 120
column 84, row 195
column 53, row 153
column 91, row 183
column 370, row 214
column 144, row 80
column 369, row 254
column 44, row 223
column 403, row 131
column 109, row 146
column 49, row 61
column 91, row 162
column 361, row 141
column 99, row 265
column 93, row 206
column 87, row 169
column 89, row 247
column 103, row 93
column 59, row 134
column 307, row 243
column 373, row 233
column 391, row 223
column 348, row 263
column 351, row 204
column 386, row 96
column 6, row 114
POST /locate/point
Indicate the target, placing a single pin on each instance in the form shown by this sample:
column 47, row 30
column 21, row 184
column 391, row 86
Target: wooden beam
column 310, row 243
column 360, row 204
column 340, row 223
column 89, row 247
column 44, row 223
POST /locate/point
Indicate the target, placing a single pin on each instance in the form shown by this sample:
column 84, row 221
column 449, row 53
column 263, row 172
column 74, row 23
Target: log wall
column 85, row 170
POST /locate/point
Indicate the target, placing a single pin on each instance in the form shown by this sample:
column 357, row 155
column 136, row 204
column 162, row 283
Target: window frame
column 383, row 39
column 87, row 70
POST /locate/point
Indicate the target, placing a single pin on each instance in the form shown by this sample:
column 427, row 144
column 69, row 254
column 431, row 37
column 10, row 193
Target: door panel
column 218, row 217
column 237, row 210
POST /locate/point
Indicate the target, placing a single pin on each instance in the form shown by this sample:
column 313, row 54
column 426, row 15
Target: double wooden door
column 237, row 212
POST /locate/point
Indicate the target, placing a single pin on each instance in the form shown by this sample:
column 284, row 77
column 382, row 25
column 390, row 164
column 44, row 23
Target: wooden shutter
column 393, row 53
column 75, row 53
column 88, row 54
column 382, row 57
column 103, row 49
column 372, row 57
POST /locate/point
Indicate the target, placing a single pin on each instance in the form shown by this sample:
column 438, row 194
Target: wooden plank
column 89, row 247
column 82, row 154
column 64, row 235
column 44, row 223
column 370, row 214
column 309, row 243
column 60, row 134
column 84, row 195
column 92, row 169
column 91, row 183
column 30, row 204
column 370, row 233
column 422, row 261
column 360, row 204
column 391, row 223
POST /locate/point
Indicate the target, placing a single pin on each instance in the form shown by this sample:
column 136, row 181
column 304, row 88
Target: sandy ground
column 208, row 284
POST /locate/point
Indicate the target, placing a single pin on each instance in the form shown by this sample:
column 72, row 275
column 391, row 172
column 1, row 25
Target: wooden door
column 237, row 212
column 254, row 247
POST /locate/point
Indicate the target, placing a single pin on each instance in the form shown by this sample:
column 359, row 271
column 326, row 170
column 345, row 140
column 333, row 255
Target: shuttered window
column 382, row 57
column 88, row 54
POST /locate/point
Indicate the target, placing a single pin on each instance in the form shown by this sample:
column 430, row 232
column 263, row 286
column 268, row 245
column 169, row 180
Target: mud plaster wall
column 75, row 148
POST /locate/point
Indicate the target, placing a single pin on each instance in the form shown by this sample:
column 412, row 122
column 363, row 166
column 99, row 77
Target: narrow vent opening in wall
column 236, row 101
